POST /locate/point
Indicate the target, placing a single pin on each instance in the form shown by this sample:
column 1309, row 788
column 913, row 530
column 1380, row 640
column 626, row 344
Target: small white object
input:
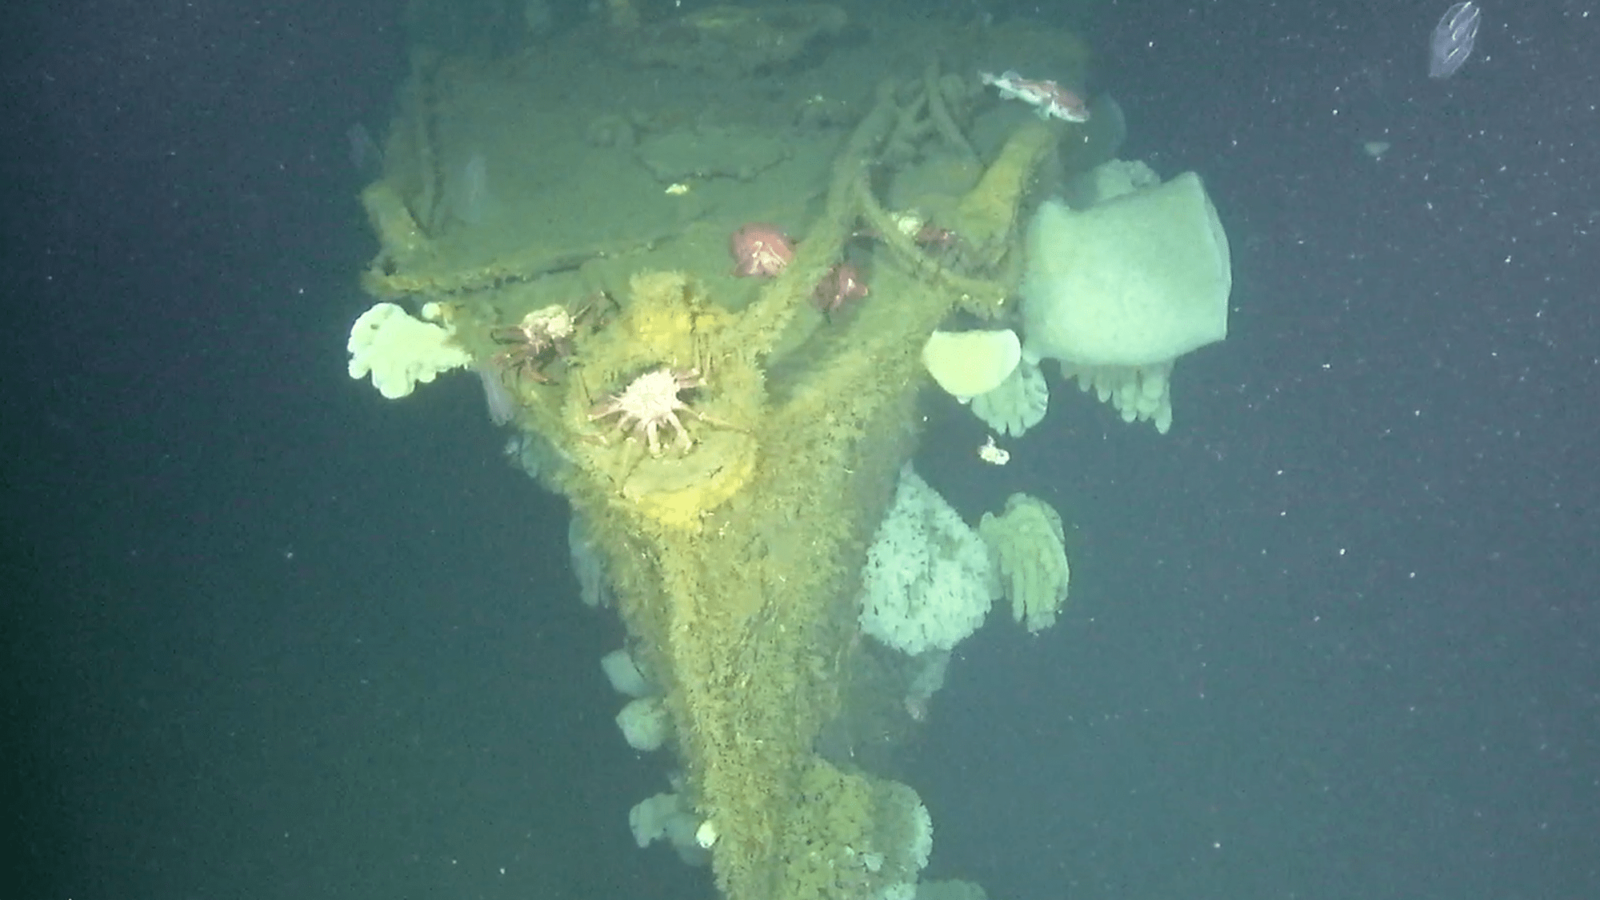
column 908, row 223
column 706, row 835
column 993, row 455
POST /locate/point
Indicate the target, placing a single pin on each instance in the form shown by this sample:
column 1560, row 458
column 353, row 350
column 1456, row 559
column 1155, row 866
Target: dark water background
column 1335, row 636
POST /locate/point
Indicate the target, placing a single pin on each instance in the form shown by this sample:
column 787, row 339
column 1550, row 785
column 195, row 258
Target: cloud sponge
column 928, row 581
column 399, row 351
column 645, row 723
column 1134, row 281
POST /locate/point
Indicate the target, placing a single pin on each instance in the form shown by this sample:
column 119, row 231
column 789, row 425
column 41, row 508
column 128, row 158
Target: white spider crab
column 649, row 403
column 542, row 336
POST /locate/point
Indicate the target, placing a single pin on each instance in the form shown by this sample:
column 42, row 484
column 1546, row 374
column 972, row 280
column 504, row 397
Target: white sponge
column 969, row 363
column 1019, row 403
column 624, row 674
column 1137, row 280
column 928, row 581
column 645, row 724
column 667, row 817
column 399, row 351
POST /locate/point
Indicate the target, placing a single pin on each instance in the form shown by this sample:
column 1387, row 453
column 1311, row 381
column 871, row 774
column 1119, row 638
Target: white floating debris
column 993, row 455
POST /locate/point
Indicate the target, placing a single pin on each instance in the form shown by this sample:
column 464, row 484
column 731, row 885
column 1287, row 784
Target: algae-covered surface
column 609, row 183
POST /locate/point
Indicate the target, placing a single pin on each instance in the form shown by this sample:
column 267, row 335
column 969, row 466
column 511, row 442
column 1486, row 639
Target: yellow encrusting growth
column 677, row 492
column 743, row 607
